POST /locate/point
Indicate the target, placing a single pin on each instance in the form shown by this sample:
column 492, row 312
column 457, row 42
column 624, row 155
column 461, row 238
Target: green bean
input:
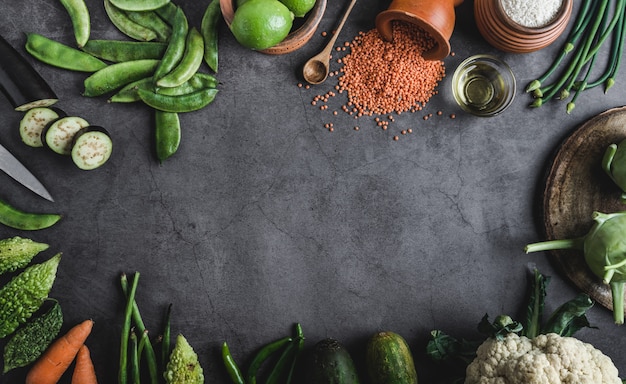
column 135, row 5
column 125, row 335
column 167, row 12
column 126, row 25
column 151, row 20
column 189, row 63
column 123, row 50
column 60, row 55
column 209, row 28
column 262, row 355
column 183, row 103
column 167, row 134
column 79, row 15
column 176, row 46
column 117, row 75
column 26, row 221
column 235, row 374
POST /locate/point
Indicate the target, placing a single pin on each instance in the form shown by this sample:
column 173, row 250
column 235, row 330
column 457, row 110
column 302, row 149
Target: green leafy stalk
column 617, row 293
column 536, row 302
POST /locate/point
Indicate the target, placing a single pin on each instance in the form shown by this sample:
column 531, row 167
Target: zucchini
column 34, row 122
column 22, row 85
column 91, row 147
column 58, row 135
column 330, row 363
column 389, row 360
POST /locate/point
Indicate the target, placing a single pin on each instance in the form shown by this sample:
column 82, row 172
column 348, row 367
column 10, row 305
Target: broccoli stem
column 552, row 245
column 617, row 293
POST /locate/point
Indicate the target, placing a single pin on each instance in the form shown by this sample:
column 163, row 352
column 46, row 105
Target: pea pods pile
column 160, row 64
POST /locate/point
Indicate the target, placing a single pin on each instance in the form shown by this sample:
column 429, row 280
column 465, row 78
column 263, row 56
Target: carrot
column 49, row 368
column 84, row 372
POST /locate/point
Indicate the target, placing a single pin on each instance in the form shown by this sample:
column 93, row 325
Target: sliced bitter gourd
column 16, row 252
column 183, row 366
column 21, row 297
column 31, row 340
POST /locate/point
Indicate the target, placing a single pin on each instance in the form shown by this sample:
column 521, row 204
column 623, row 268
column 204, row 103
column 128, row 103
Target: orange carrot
column 84, row 372
column 49, row 368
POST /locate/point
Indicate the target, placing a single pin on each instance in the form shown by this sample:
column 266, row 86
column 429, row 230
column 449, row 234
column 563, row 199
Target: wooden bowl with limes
column 301, row 32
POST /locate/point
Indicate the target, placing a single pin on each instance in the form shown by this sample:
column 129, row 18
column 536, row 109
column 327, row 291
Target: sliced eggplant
column 20, row 82
column 34, row 122
column 91, row 147
column 59, row 134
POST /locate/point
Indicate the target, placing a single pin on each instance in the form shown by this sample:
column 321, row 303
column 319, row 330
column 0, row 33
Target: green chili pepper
column 209, row 28
column 188, row 64
column 123, row 50
column 152, row 21
column 300, row 348
column 126, row 25
column 176, row 46
column 79, row 15
column 183, row 103
column 167, row 134
column 118, row 75
column 235, row 374
column 18, row 219
column 264, row 353
column 60, row 55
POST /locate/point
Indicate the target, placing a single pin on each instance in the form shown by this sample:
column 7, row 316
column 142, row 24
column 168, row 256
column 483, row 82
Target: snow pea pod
column 167, row 134
column 60, row 55
column 208, row 28
column 151, row 20
column 189, row 63
column 167, row 12
column 79, row 15
column 176, row 46
column 118, row 75
column 126, row 25
column 26, row 221
column 135, row 5
column 129, row 94
column 183, row 103
column 123, row 50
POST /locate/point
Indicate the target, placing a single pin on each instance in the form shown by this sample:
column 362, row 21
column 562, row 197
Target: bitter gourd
column 183, row 366
column 21, row 297
column 30, row 341
column 16, row 252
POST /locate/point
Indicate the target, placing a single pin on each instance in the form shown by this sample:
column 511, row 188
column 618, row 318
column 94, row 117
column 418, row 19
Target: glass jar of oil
column 483, row 85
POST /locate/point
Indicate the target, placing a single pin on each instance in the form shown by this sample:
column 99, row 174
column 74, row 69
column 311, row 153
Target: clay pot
column 436, row 17
column 297, row 38
column 505, row 34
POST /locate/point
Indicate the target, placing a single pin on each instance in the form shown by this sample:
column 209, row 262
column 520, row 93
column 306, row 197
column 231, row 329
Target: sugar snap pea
column 139, row 5
column 27, row 221
column 79, row 15
column 126, row 25
column 60, row 55
column 167, row 134
column 183, row 103
column 209, row 28
column 235, row 374
column 262, row 355
column 124, row 50
column 176, row 46
column 151, row 20
column 118, row 75
column 189, row 63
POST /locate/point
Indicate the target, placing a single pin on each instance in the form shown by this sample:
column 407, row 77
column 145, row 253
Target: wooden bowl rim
column 562, row 17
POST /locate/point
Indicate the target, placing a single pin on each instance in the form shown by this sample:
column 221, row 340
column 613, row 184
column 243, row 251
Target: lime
column 261, row 24
column 299, row 7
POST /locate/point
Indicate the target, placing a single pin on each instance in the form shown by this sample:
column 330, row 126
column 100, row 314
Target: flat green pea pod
column 167, row 12
column 16, row 252
column 60, row 55
column 130, row 94
column 183, row 103
column 118, row 75
column 176, row 46
column 79, row 15
column 183, row 366
column 209, row 28
column 153, row 21
column 30, row 341
column 139, row 5
column 125, row 25
column 188, row 65
column 26, row 221
column 614, row 164
column 167, row 134
column 123, row 50
column 25, row 293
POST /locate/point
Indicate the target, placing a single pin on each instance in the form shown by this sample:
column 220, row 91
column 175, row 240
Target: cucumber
column 34, row 122
column 330, row 363
column 91, row 147
column 389, row 360
column 59, row 134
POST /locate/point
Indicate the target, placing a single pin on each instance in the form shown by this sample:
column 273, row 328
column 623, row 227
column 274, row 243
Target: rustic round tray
column 576, row 186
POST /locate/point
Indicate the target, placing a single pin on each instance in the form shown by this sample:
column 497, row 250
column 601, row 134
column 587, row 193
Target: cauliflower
column 545, row 359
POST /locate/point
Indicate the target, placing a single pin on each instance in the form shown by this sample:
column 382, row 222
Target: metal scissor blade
column 12, row 167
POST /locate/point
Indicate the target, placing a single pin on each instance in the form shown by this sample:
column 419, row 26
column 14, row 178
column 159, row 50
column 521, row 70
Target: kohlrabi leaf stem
column 617, row 292
column 552, row 245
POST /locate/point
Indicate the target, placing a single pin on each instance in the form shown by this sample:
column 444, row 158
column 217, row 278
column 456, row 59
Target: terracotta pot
column 436, row 17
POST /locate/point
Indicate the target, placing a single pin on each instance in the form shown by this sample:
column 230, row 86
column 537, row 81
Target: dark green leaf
column 569, row 317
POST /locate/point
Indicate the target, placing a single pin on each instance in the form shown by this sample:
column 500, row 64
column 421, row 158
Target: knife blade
column 12, row 167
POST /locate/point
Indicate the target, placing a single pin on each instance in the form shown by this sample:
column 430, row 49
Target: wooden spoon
column 316, row 69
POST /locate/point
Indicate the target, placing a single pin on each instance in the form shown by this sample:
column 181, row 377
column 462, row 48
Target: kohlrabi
column 614, row 164
column 604, row 249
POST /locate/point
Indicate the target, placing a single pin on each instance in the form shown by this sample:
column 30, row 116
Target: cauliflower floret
column 545, row 359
